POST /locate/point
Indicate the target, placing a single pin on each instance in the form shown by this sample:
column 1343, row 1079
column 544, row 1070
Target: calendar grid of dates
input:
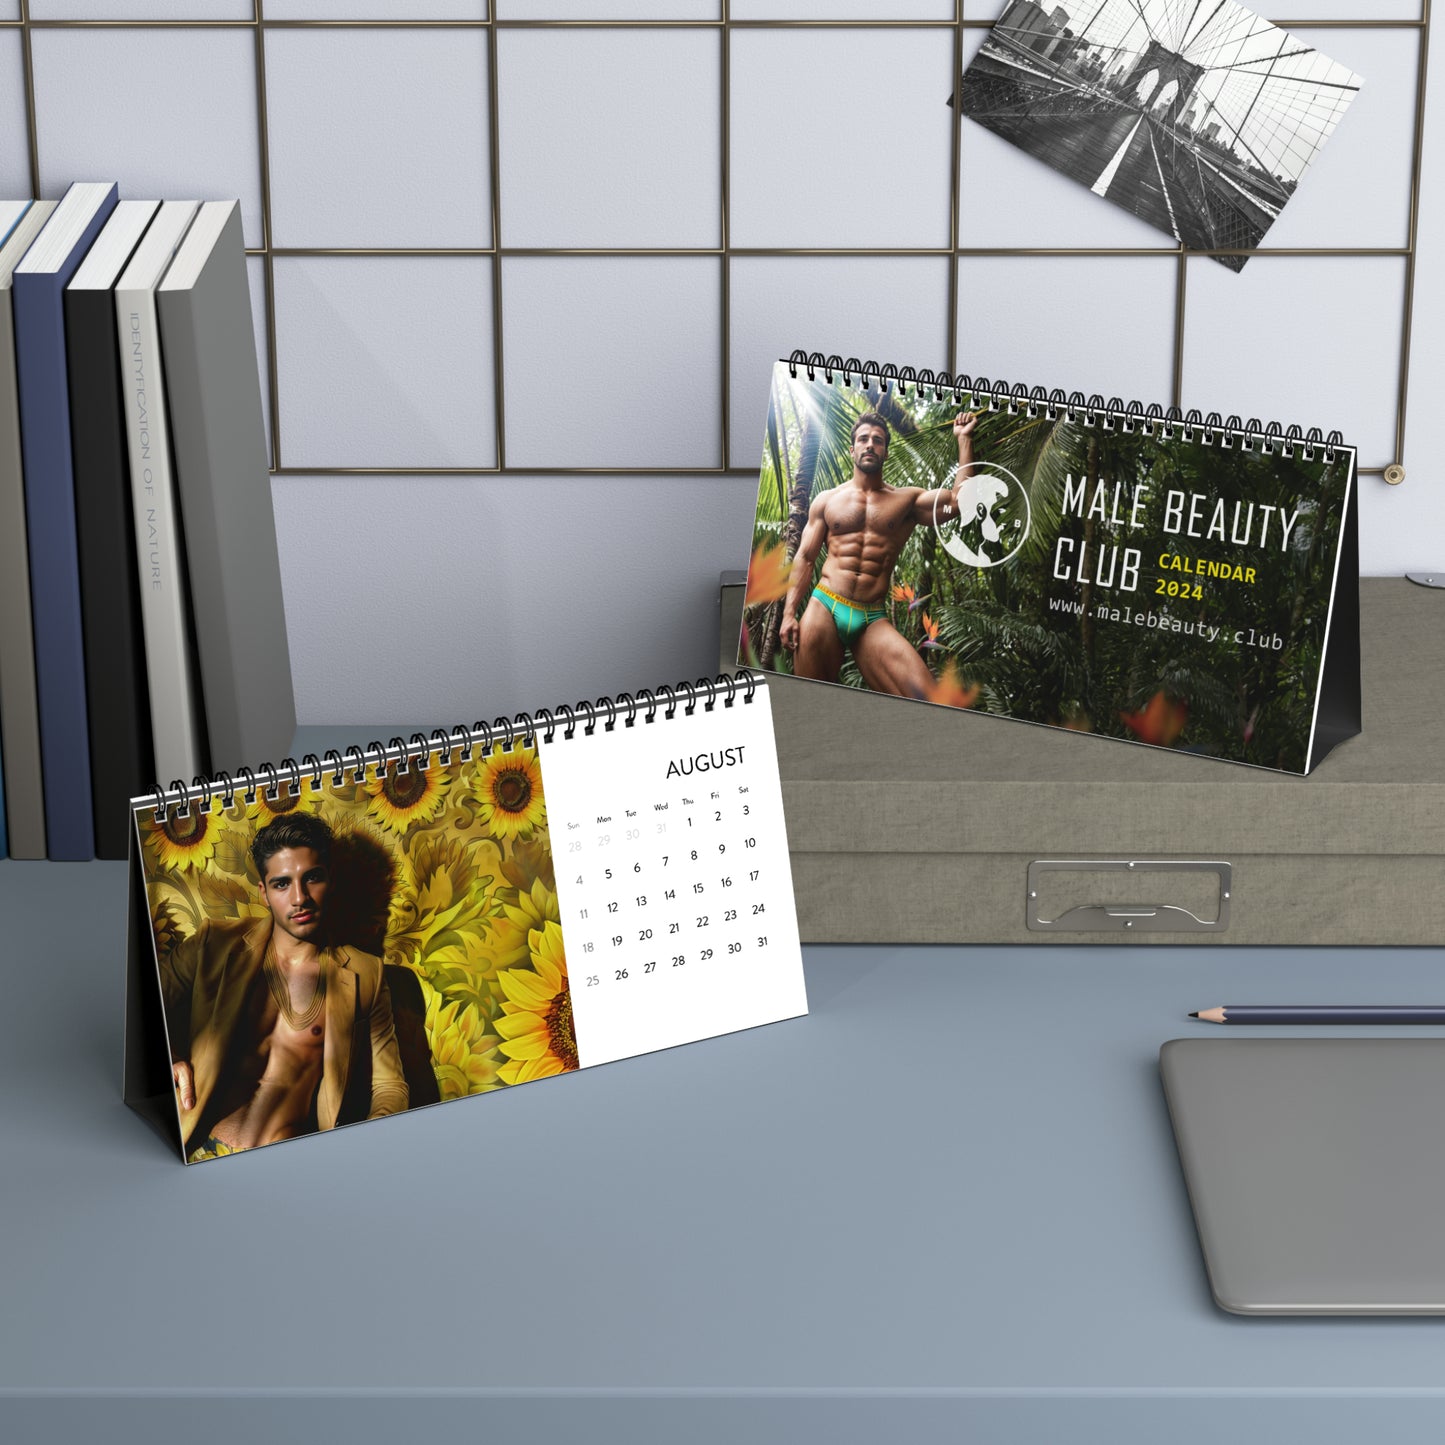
column 674, row 880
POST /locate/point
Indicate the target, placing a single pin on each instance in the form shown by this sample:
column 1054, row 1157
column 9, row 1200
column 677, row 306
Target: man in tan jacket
column 274, row 1030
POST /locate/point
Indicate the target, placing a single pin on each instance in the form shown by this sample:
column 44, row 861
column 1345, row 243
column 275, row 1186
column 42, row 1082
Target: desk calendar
column 356, row 935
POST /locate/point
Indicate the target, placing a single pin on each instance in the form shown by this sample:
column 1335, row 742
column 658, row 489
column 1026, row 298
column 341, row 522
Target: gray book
column 19, row 710
column 224, row 484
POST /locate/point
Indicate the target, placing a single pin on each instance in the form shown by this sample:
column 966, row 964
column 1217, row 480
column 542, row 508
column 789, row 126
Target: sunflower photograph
column 413, row 903
column 510, row 788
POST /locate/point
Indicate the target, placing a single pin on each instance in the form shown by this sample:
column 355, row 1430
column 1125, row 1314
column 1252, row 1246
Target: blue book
column 39, row 287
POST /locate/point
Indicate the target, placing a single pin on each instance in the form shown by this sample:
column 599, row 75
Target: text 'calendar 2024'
column 321, row 943
column 1184, row 581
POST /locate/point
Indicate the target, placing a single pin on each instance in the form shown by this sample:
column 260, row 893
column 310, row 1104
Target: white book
column 160, row 544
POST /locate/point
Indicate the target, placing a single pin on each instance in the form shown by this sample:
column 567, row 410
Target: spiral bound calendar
column 317, row 943
column 1166, row 578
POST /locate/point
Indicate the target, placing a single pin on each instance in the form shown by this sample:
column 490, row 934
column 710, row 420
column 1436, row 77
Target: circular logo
column 993, row 518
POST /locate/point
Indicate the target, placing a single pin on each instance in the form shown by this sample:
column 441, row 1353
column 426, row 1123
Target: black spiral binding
column 1111, row 415
column 505, row 733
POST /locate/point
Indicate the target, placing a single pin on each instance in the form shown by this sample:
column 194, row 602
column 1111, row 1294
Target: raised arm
column 945, row 499
column 815, row 533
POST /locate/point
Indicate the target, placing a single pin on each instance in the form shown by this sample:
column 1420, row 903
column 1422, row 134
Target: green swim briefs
column 850, row 618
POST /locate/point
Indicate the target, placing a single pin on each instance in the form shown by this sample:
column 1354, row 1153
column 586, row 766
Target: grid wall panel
column 752, row 155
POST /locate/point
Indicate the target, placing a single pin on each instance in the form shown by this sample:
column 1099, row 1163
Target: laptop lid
column 1315, row 1169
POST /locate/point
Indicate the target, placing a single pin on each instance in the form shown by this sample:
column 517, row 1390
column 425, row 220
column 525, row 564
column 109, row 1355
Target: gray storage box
column 912, row 823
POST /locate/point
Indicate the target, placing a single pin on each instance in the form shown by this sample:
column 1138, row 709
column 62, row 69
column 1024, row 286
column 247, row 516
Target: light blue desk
column 946, row 1206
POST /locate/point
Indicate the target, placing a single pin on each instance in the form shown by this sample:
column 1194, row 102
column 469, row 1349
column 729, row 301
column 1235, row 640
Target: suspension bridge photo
column 1197, row 116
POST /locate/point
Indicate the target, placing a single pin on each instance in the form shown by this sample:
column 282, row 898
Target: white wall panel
column 379, row 138
column 1309, row 340
column 841, row 138
column 191, row 133
column 609, row 10
column 483, row 598
column 256, row 278
column 888, row 308
column 1356, row 193
column 611, row 137
column 376, row 10
column 142, row 9
column 14, row 132
column 385, row 361
column 1088, row 323
column 612, row 361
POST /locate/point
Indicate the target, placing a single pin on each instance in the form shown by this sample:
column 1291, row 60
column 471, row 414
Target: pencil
column 1329, row 1013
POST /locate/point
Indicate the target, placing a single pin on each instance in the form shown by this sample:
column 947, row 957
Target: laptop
column 1315, row 1169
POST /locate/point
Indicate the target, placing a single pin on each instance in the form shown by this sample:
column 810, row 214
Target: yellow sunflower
column 523, row 913
column 400, row 799
column 441, row 890
column 464, row 1054
column 167, row 929
column 536, row 1029
column 509, row 786
column 305, row 799
column 183, row 840
column 464, row 963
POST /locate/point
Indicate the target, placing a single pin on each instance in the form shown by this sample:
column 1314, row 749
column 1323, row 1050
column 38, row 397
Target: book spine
column 224, row 483
column 54, row 568
column 122, row 756
column 159, row 549
column 19, row 713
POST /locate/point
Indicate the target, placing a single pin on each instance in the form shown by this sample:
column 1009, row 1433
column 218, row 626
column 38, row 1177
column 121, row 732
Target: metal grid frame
column 725, row 251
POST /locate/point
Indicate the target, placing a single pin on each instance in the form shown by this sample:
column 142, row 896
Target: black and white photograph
column 1197, row 116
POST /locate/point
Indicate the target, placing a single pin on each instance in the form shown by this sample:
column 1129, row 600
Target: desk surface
column 953, row 1185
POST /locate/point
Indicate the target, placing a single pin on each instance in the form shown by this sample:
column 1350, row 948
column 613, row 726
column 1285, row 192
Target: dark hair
column 870, row 418
column 292, row 830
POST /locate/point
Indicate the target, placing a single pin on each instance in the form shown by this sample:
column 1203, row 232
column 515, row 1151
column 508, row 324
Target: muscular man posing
column 274, row 1031
column 864, row 525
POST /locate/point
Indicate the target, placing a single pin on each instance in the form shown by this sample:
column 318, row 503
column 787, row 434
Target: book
column 19, row 712
column 38, row 285
column 1199, row 119
column 223, row 479
column 354, row 936
column 1184, row 581
column 170, row 664
column 122, row 759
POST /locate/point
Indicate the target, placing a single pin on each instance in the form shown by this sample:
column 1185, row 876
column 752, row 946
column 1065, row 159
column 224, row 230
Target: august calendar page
column 360, row 936
column 675, row 888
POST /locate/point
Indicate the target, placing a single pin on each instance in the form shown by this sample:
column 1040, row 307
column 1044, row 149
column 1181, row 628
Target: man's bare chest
column 884, row 516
